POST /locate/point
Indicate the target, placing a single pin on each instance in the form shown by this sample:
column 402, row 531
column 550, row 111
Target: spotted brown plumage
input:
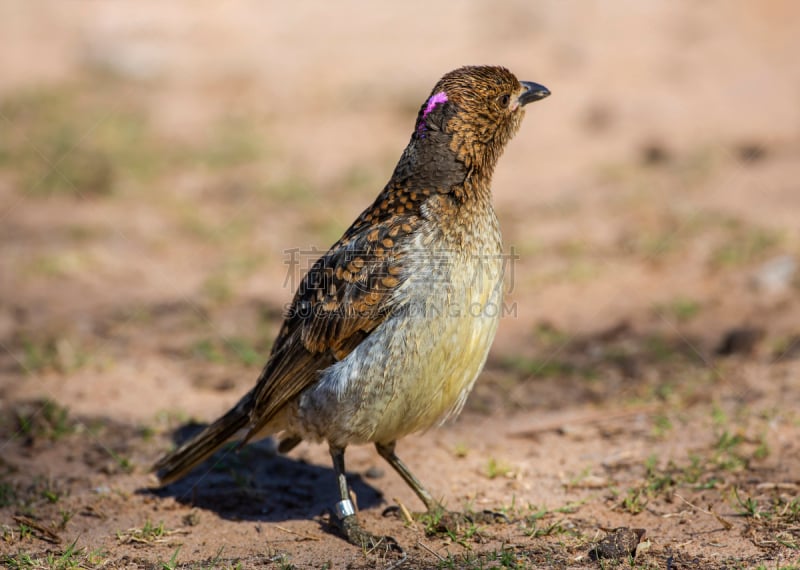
column 382, row 337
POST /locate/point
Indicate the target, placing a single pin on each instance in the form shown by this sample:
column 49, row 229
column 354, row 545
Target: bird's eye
column 503, row 100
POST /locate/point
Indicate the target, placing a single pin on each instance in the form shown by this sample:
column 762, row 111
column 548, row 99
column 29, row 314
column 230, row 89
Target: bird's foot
column 487, row 516
column 440, row 520
column 383, row 546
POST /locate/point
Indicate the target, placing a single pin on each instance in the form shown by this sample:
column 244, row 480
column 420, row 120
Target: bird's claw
column 352, row 531
column 490, row 517
column 442, row 520
column 392, row 511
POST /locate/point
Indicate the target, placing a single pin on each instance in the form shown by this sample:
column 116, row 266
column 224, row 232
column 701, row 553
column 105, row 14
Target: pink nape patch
column 436, row 99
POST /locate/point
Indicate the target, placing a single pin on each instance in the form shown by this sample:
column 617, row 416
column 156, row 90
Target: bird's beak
column 533, row 92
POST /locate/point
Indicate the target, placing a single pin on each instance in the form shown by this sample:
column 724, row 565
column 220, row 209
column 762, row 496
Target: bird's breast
column 416, row 369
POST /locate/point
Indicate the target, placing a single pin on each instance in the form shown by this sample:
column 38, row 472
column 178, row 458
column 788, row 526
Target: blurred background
column 156, row 162
column 159, row 160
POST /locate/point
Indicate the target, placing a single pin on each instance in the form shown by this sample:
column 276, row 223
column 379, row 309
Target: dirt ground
column 160, row 163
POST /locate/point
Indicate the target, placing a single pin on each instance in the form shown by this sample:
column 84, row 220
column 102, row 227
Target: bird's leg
column 436, row 516
column 345, row 507
column 345, row 514
column 387, row 452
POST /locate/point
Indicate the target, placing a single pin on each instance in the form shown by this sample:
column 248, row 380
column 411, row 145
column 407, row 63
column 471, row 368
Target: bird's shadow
column 257, row 483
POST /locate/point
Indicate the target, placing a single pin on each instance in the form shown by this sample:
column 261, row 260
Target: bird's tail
column 175, row 465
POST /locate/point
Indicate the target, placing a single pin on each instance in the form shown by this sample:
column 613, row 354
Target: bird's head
column 475, row 111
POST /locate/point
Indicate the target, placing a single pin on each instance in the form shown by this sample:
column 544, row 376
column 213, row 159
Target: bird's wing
column 345, row 295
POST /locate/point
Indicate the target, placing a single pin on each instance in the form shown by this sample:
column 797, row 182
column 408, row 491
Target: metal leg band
column 344, row 509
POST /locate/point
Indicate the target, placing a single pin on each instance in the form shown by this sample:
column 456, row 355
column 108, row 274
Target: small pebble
column 776, row 275
column 374, row 473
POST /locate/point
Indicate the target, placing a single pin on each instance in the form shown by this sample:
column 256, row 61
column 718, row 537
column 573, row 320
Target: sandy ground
column 158, row 163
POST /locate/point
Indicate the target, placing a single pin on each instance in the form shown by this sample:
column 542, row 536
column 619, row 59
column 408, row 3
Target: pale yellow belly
column 416, row 369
